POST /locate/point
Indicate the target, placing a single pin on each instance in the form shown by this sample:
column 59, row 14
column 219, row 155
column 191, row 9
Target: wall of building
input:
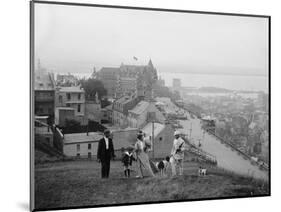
column 119, row 119
column 163, row 143
column 70, row 150
column 45, row 103
column 138, row 121
column 62, row 100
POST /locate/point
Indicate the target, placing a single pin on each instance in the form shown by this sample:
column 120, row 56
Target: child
column 127, row 161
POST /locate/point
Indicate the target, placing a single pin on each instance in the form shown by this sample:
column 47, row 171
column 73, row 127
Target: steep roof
column 124, row 99
column 108, row 70
column 158, row 128
column 140, row 107
column 43, row 81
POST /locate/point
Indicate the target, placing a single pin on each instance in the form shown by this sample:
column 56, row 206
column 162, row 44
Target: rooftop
column 43, row 81
column 65, row 108
column 140, row 107
column 158, row 128
column 72, row 89
column 108, row 70
column 82, row 137
column 124, row 99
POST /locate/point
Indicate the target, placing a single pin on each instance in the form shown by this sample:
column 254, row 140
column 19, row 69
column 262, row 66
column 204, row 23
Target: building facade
column 81, row 145
column 142, row 112
column 44, row 94
column 120, row 110
column 71, row 97
column 128, row 80
column 163, row 139
column 109, row 76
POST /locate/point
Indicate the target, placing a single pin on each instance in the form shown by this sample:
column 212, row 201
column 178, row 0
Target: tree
column 91, row 87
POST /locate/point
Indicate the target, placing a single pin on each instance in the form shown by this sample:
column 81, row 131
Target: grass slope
column 78, row 183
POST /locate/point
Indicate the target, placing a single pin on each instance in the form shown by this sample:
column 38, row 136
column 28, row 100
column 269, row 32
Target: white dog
column 201, row 171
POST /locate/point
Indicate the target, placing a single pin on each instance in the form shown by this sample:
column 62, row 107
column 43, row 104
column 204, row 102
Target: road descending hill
column 78, row 183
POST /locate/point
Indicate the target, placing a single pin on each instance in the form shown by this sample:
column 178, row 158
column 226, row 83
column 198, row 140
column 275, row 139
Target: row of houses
column 84, row 145
column 132, row 109
column 63, row 103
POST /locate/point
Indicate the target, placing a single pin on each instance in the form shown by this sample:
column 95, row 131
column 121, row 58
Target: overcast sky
column 76, row 38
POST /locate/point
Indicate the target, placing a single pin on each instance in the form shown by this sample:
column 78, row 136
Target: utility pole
column 190, row 130
column 153, row 139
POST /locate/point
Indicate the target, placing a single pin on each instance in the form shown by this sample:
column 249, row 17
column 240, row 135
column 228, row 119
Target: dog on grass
column 162, row 166
column 202, row 171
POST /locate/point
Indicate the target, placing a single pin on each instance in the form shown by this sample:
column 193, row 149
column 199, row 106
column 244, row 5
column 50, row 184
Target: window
column 79, row 96
column 67, row 105
column 78, row 147
column 68, row 96
column 60, row 99
column 79, row 108
column 78, row 155
column 89, row 154
column 89, row 146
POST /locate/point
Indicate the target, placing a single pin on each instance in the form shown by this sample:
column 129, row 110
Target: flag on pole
column 135, row 58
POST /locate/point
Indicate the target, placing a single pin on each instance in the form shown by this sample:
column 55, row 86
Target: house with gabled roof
column 142, row 112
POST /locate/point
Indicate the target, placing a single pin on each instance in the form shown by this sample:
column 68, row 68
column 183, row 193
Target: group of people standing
column 140, row 149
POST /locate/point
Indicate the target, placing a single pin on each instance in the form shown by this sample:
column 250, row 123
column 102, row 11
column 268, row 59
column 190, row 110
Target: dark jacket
column 101, row 154
column 127, row 159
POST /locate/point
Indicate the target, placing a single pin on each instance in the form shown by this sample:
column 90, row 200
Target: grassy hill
column 78, row 183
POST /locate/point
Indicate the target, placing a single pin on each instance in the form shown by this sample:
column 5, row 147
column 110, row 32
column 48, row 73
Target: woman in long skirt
column 142, row 156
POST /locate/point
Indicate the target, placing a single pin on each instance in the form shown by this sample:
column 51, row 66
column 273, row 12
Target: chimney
column 88, row 128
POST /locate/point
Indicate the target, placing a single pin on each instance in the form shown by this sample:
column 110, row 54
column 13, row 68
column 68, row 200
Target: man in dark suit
column 105, row 153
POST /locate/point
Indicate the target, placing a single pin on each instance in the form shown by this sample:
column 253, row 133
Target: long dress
column 142, row 158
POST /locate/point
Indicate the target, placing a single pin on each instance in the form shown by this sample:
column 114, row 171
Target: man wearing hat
column 177, row 154
column 105, row 153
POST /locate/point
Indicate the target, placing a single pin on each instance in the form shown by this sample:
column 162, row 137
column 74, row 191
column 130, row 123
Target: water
column 232, row 82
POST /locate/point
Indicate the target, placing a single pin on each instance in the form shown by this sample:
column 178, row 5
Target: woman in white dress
column 142, row 156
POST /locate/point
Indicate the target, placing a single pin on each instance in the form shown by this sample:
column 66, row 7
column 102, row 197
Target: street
column 226, row 157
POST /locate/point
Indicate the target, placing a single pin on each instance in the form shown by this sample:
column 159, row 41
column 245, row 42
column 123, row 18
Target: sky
column 76, row 39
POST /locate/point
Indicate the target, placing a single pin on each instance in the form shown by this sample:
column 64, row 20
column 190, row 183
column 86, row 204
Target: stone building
column 109, row 76
column 128, row 80
column 120, row 110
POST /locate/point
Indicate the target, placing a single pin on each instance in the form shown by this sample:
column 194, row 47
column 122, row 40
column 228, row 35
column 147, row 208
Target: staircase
column 205, row 156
